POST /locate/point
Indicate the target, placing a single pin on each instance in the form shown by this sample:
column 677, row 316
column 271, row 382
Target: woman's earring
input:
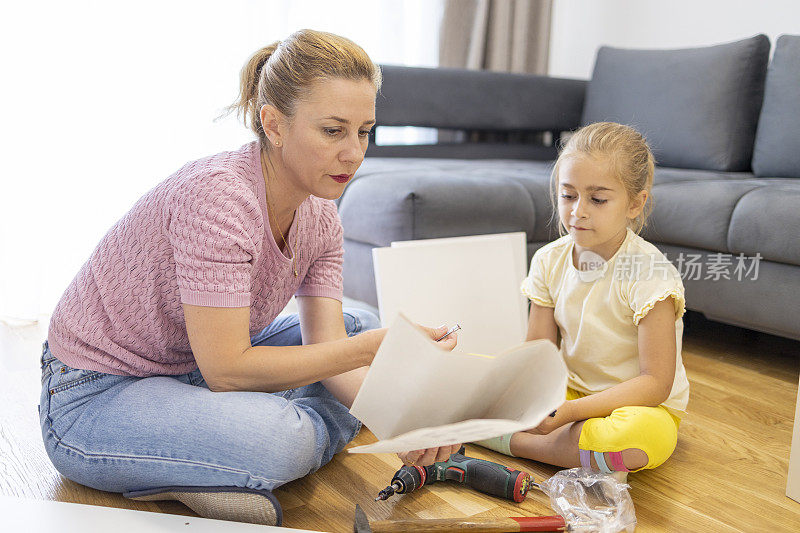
column 277, row 143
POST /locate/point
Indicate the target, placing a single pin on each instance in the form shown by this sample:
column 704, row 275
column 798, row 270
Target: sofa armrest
column 382, row 208
column 478, row 100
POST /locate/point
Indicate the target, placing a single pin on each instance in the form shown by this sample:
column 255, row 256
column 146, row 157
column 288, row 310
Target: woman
column 160, row 379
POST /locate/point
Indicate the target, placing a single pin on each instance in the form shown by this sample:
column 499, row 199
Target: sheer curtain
column 500, row 35
column 103, row 100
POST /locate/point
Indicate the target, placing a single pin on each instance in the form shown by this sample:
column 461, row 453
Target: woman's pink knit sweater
column 201, row 237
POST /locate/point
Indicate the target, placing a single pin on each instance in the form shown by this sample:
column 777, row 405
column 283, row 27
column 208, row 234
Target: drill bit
column 388, row 491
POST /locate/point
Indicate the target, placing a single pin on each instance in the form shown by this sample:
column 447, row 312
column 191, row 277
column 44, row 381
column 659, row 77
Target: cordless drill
column 484, row 476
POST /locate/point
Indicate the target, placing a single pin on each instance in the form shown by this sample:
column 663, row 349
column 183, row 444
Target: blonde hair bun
column 279, row 73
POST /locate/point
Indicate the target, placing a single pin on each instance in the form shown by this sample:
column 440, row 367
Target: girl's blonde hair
column 279, row 74
column 629, row 157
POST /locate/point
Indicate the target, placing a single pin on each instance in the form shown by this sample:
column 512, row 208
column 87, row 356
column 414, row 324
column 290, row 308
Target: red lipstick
column 341, row 178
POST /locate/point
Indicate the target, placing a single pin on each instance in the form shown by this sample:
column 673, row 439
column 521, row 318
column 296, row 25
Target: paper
column 473, row 281
column 517, row 240
column 417, row 395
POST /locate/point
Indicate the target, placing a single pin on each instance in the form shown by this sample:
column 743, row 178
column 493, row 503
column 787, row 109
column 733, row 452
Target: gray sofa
column 724, row 124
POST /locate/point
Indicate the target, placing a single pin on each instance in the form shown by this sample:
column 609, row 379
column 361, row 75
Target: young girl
column 616, row 302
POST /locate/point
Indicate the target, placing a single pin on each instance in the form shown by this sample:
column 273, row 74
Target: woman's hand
column 373, row 338
column 448, row 343
column 551, row 423
column 429, row 456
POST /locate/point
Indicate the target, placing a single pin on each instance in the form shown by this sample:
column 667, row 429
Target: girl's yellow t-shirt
column 598, row 311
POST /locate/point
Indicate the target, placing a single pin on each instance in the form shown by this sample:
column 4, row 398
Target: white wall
column 580, row 27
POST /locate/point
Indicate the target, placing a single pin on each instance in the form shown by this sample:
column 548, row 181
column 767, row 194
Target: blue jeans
column 123, row 433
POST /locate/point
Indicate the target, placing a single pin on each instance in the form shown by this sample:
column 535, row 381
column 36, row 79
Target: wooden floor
column 727, row 474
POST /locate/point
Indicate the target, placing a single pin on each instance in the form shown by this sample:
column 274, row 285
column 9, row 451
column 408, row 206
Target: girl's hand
column 429, row 456
column 551, row 423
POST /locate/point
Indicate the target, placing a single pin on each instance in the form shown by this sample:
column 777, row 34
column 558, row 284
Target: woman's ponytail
column 246, row 106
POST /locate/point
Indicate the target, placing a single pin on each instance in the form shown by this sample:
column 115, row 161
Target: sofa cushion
column 698, row 107
column 766, row 219
column 534, row 179
column 477, row 99
column 776, row 151
column 696, row 213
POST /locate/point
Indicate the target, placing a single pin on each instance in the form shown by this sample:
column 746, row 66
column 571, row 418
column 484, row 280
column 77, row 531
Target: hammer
column 474, row 525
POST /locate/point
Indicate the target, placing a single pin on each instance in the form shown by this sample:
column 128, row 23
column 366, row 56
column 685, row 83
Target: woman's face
column 324, row 143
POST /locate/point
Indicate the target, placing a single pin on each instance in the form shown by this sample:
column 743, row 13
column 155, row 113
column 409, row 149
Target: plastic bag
column 591, row 501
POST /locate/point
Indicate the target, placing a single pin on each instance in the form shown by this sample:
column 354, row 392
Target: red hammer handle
column 541, row 523
column 474, row 525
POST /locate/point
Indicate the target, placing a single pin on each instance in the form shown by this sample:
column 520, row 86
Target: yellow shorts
column 653, row 430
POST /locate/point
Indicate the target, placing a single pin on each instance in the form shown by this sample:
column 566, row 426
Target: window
column 103, row 100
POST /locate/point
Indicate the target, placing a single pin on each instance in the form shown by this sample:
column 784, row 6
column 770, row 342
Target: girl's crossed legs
column 631, row 438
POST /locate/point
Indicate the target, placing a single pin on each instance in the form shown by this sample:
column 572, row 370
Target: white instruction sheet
column 417, row 395
column 472, row 281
